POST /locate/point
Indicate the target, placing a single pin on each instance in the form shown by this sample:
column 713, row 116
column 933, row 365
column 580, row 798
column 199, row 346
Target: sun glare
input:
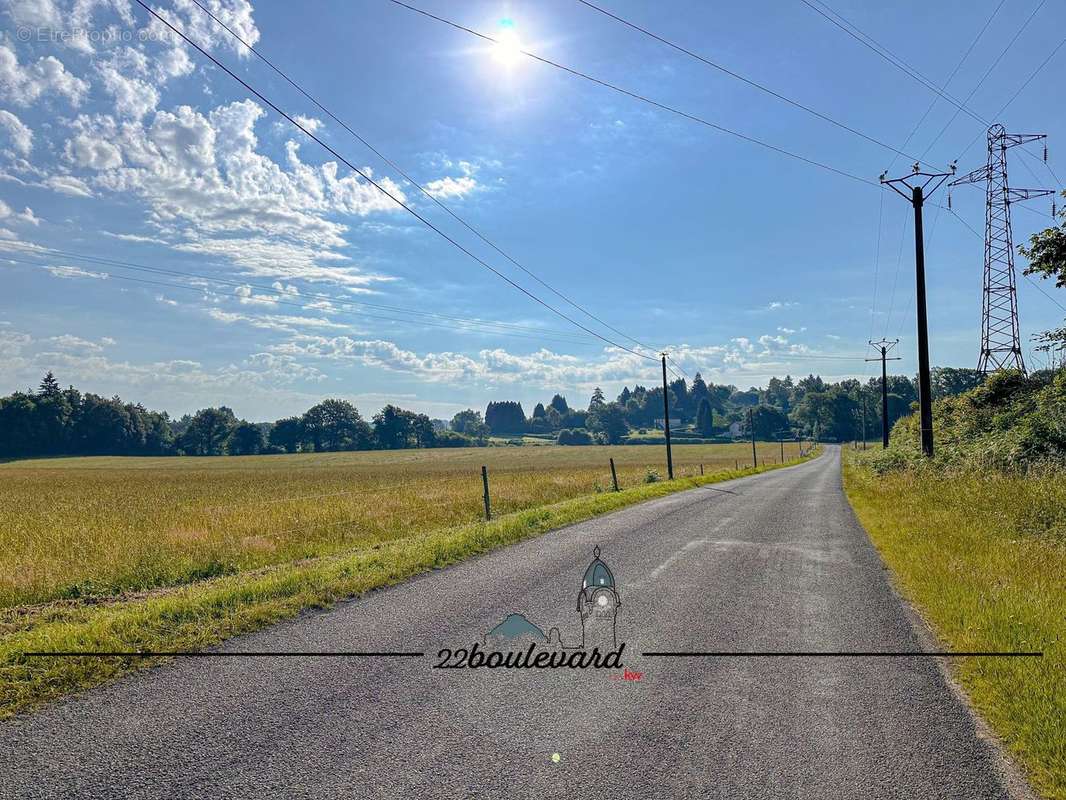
column 508, row 48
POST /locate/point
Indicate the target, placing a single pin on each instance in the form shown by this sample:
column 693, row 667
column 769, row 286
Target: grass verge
column 203, row 614
column 983, row 558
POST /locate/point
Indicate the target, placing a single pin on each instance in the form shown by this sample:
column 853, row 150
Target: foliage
column 1010, row 423
column 571, row 436
column 505, row 417
column 1047, row 258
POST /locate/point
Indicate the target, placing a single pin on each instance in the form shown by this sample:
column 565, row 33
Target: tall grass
column 81, row 528
column 983, row 557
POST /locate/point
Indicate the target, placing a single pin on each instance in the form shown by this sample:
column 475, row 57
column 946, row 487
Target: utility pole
column 919, row 184
column 884, row 346
column 1001, row 346
column 666, row 422
column 751, row 427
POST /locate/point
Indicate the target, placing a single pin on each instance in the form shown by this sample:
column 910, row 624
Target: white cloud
column 312, row 124
column 25, row 84
column 213, row 193
column 26, row 215
column 68, row 184
column 18, row 136
column 76, row 272
column 451, row 187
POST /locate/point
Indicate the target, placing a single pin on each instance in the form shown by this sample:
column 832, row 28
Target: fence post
column 614, row 476
column 485, row 482
column 701, row 469
column 736, row 464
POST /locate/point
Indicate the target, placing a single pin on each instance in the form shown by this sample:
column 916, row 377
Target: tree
column 246, row 439
column 559, row 404
column 49, row 386
column 608, row 419
column 705, row 418
column 505, row 417
column 1047, row 258
column 208, row 431
column 768, row 422
column 422, row 429
column 538, row 411
column 949, row 381
column 287, row 434
column 465, row 421
column 392, row 428
column 336, row 425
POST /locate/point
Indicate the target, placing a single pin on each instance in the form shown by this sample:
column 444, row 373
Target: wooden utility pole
column 918, row 182
column 666, row 422
column 751, row 427
column 883, row 346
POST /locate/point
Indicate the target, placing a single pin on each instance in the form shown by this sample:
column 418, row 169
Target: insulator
column 1045, row 152
column 949, row 201
column 1054, row 211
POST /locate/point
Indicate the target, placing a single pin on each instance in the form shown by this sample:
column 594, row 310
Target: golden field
column 76, row 528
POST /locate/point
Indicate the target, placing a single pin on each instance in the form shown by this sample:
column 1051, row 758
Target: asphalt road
column 775, row 562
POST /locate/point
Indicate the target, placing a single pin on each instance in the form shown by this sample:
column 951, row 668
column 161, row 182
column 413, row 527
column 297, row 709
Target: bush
column 652, row 476
column 453, row 439
column 574, row 436
column 1010, row 424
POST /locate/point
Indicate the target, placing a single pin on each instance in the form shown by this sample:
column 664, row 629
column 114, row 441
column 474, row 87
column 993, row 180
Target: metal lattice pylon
column 1000, row 335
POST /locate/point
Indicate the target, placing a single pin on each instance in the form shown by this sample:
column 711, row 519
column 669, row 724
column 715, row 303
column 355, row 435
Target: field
column 78, row 528
column 120, row 555
column 983, row 558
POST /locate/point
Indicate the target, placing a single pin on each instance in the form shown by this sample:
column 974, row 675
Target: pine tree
column 705, row 418
column 49, row 386
column 597, row 398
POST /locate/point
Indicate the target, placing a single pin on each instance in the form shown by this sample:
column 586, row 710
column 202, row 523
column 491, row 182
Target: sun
column 508, row 48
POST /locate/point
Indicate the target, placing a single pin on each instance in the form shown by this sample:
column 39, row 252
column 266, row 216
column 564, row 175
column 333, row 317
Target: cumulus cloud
column 451, row 187
column 25, row 84
column 18, row 137
column 209, row 187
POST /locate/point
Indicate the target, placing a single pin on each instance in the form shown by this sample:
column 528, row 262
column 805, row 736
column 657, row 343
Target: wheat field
column 84, row 528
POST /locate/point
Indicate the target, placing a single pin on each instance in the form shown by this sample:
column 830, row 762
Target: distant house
column 736, row 430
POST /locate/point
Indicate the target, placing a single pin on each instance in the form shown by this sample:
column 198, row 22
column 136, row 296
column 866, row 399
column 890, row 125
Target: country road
column 773, row 562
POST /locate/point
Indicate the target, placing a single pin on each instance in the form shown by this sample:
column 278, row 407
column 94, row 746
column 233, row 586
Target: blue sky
column 118, row 142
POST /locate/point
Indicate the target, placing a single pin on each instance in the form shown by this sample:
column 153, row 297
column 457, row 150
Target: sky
column 121, row 143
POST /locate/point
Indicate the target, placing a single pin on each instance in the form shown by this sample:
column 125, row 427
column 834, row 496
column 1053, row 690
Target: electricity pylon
column 1001, row 346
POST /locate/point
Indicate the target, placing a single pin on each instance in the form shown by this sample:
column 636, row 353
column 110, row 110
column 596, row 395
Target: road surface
column 774, row 562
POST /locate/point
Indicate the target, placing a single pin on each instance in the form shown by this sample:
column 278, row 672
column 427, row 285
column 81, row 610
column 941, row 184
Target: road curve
column 773, row 562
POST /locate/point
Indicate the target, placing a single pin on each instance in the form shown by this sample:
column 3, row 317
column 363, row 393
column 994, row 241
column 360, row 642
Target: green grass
column 983, row 558
column 98, row 527
column 206, row 612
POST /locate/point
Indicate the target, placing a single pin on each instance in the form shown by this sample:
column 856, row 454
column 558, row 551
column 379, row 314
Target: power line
column 343, row 301
column 871, row 43
column 1014, row 96
column 386, row 192
column 642, row 98
column 954, row 72
column 984, row 77
column 415, row 183
column 743, row 79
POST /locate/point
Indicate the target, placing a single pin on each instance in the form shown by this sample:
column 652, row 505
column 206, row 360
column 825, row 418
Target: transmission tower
column 1000, row 337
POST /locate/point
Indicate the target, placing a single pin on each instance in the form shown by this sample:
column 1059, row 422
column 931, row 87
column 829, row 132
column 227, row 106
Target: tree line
column 54, row 421
column 809, row 407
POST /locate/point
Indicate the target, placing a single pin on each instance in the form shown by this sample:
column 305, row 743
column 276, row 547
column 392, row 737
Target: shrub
column 574, row 436
column 651, row 476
